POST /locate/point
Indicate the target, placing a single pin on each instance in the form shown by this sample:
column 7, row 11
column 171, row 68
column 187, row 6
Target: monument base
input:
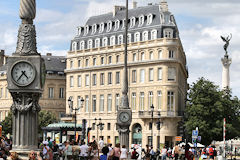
column 23, row 154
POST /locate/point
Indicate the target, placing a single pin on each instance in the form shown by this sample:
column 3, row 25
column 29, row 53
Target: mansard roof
column 157, row 20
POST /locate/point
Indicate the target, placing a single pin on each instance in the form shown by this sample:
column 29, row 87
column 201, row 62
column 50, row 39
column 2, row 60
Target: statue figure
column 227, row 40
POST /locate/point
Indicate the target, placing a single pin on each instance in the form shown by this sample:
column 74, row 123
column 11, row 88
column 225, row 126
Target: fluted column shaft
column 27, row 10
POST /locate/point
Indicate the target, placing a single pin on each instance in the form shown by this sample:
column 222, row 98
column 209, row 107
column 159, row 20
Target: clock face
column 23, row 73
column 124, row 117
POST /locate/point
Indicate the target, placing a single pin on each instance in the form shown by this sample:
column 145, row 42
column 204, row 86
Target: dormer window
column 132, row 22
column 86, row 30
column 120, row 39
column 94, row 29
column 74, row 46
column 97, row 43
column 123, row 23
column 168, row 33
column 90, row 42
column 141, row 20
column 137, row 37
column 105, row 41
column 149, row 19
column 82, row 44
column 153, row 34
column 117, row 24
column 101, row 28
column 109, row 26
column 79, row 31
column 145, row 36
column 129, row 38
column 112, row 41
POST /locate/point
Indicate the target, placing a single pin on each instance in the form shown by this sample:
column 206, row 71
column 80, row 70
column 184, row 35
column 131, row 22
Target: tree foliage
column 44, row 118
column 207, row 106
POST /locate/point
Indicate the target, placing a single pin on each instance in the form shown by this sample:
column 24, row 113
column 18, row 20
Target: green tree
column 7, row 124
column 207, row 106
column 44, row 118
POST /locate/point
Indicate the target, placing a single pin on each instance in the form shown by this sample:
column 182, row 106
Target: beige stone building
column 54, row 95
column 156, row 67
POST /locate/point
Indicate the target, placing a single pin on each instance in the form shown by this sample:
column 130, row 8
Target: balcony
column 164, row 114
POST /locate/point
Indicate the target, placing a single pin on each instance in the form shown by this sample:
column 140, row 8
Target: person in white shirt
column 124, row 153
column 164, row 153
column 84, row 151
column 45, row 150
column 110, row 149
column 101, row 144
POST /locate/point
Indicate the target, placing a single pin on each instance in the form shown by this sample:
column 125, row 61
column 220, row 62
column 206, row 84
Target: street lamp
column 100, row 125
column 70, row 104
column 159, row 124
column 152, row 110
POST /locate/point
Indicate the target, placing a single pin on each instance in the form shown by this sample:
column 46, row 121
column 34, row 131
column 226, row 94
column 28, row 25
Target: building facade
column 156, row 67
column 54, row 94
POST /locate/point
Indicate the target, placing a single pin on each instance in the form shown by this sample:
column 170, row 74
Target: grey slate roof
column 53, row 63
column 120, row 15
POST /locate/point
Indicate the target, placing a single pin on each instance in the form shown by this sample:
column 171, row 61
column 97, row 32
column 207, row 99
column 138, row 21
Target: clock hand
column 25, row 74
column 20, row 77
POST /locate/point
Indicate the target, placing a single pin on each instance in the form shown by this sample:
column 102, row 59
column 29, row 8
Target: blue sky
column 200, row 24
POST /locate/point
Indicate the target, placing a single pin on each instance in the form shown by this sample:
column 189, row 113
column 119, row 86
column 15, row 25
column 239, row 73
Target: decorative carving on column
column 27, row 10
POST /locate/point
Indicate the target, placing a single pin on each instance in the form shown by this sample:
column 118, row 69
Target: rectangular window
column 1, row 93
column 6, row 93
column 142, row 56
column 160, row 54
column 110, row 78
column 94, row 61
column 134, row 57
column 87, row 80
column 79, row 81
column 86, row 104
column 134, row 76
column 151, row 55
column 102, row 60
column 79, row 102
column 150, row 126
column 117, row 102
column 61, row 93
column 79, row 63
column 159, row 100
column 71, row 64
column 142, row 75
column 133, row 101
column 109, row 126
column 109, row 103
column 97, row 43
column 87, row 62
column 94, row 80
column 93, row 126
column 110, row 60
column 150, row 140
column 94, row 103
column 151, row 74
column 170, row 101
column 159, row 74
column 102, row 79
column 71, row 81
column 117, row 59
column 117, row 77
column 101, row 108
column 141, row 101
column 171, row 74
column 170, row 54
column 50, row 92
column 150, row 99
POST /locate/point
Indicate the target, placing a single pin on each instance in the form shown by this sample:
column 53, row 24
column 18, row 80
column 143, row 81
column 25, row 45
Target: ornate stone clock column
column 26, row 76
column 124, row 115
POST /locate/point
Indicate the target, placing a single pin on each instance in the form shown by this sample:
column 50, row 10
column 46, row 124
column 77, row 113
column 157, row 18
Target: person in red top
column 211, row 153
column 188, row 154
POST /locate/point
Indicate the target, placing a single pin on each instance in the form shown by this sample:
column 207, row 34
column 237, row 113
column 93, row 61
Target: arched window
column 120, row 39
column 101, row 28
column 132, row 22
column 94, row 30
column 82, row 45
column 79, row 31
column 151, row 55
column 137, row 37
column 153, row 34
column 97, row 43
column 141, row 20
column 160, row 54
column 129, row 38
column 105, row 41
column 74, row 46
column 112, row 41
column 142, row 56
column 109, row 26
column 90, row 44
column 149, row 19
column 117, row 24
column 86, row 30
column 145, row 36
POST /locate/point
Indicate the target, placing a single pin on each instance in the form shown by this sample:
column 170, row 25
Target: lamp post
column 70, row 104
column 159, row 124
column 152, row 110
column 100, row 125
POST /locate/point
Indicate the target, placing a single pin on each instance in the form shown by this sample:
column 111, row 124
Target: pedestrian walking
column 94, row 151
column 116, row 152
column 124, row 153
column 105, row 151
column 84, row 151
column 164, row 153
column 134, row 154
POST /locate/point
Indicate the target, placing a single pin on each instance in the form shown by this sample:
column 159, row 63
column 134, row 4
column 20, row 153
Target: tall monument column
column 226, row 61
column 26, row 77
column 124, row 115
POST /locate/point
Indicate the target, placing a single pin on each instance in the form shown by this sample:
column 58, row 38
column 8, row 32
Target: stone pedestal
column 226, row 61
column 124, row 135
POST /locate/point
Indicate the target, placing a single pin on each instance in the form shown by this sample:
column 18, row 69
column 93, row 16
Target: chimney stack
column 2, row 58
column 49, row 54
column 117, row 8
column 134, row 4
